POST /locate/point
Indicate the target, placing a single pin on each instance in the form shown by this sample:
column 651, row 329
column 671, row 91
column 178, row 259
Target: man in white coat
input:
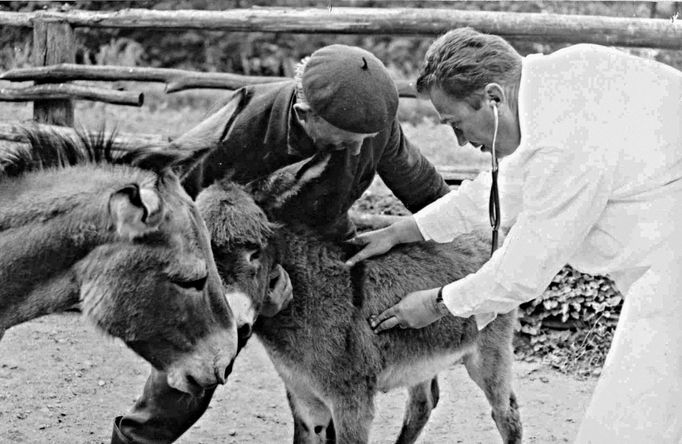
column 592, row 177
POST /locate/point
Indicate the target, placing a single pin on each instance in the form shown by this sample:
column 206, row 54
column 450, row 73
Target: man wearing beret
column 342, row 100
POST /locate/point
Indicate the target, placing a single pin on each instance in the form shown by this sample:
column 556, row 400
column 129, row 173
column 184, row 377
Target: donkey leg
column 312, row 418
column 352, row 416
column 490, row 368
column 422, row 399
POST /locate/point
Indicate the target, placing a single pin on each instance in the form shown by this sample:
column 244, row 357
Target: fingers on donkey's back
column 354, row 260
column 387, row 324
column 375, row 320
column 357, row 240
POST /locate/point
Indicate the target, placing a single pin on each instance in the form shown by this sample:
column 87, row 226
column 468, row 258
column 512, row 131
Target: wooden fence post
column 53, row 42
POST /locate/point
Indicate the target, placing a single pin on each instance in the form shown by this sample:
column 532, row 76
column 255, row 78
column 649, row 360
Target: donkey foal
column 322, row 346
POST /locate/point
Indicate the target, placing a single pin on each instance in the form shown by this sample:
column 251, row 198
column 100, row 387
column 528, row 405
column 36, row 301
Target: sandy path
column 62, row 382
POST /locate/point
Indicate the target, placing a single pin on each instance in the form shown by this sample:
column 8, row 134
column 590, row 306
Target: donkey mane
column 50, row 149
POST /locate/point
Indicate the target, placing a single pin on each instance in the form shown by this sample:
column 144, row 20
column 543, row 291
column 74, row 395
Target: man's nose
column 353, row 147
column 461, row 140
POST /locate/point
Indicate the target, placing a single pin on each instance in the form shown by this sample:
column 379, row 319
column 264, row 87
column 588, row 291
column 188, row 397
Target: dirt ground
column 63, row 382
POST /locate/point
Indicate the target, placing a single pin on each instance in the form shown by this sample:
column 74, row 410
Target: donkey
column 114, row 233
column 321, row 344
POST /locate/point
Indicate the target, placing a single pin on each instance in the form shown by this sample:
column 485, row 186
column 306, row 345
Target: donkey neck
column 49, row 220
column 301, row 248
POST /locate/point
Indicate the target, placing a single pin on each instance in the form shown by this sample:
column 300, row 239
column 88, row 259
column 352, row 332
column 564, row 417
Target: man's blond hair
column 298, row 77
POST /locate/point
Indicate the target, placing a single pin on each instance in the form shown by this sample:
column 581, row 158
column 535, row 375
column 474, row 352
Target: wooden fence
column 657, row 33
column 54, row 46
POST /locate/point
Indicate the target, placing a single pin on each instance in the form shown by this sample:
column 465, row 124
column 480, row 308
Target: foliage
column 277, row 53
column 573, row 298
column 572, row 323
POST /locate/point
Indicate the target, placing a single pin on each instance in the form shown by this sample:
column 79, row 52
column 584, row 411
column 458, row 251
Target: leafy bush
column 572, row 323
column 276, row 53
column 572, row 299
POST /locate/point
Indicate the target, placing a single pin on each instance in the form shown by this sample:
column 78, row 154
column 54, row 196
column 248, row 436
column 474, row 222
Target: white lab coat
column 596, row 182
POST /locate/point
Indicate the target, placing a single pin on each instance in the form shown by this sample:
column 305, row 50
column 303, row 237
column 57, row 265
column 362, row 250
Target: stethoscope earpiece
column 494, row 202
column 493, row 105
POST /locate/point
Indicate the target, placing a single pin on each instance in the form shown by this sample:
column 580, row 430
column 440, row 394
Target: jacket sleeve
column 409, row 175
column 213, row 129
column 564, row 194
column 210, row 132
column 465, row 209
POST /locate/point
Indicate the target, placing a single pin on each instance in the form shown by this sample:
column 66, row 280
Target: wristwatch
column 441, row 308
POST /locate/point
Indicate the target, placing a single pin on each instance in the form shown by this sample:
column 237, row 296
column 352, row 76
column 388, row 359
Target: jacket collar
column 299, row 144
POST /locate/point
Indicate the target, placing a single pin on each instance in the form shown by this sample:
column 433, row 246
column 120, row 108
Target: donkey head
column 112, row 230
column 243, row 238
column 240, row 234
column 153, row 282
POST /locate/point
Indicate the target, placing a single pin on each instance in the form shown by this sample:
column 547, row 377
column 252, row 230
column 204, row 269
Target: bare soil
column 63, row 382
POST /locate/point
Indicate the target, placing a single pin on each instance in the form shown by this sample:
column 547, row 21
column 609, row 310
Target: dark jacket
column 264, row 135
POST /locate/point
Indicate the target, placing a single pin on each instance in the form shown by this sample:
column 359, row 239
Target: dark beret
column 350, row 88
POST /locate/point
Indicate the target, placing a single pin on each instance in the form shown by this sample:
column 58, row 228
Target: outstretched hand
column 416, row 310
column 374, row 243
column 381, row 241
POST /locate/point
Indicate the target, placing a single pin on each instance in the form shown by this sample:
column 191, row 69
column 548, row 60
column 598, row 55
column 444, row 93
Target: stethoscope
column 494, row 202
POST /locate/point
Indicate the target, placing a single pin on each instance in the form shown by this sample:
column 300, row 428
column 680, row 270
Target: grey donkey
column 321, row 344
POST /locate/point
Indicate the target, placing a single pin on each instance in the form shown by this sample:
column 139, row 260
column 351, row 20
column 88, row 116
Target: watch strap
column 440, row 305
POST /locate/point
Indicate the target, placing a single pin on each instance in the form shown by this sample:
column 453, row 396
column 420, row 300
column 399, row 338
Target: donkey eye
column 252, row 252
column 254, row 255
column 194, row 284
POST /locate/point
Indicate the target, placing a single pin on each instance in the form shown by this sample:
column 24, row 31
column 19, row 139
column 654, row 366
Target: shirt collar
column 299, row 144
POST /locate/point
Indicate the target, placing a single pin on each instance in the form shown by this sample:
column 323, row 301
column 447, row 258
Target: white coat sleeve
column 564, row 194
column 466, row 209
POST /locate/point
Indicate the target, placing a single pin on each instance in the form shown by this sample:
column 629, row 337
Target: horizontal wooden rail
column 12, row 133
column 235, row 81
column 455, row 175
column 176, row 79
column 618, row 31
column 70, row 91
column 216, row 80
column 65, row 72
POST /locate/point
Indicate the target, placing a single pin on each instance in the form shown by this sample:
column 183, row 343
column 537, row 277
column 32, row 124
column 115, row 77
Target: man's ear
column 493, row 92
column 303, row 112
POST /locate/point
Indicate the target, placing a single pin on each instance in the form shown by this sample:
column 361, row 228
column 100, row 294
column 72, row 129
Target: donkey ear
column 275, row 190
column 135, row 211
